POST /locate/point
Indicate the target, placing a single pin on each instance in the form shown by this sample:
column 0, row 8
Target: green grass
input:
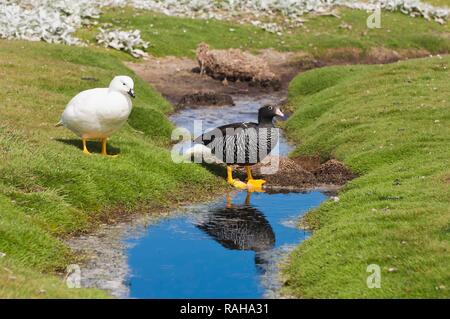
column 391, row 124
column 20, row 282
column 180, row 36
column 441, row 3
column 48, row 188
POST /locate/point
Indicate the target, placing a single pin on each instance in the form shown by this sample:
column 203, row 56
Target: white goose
column 98, row 113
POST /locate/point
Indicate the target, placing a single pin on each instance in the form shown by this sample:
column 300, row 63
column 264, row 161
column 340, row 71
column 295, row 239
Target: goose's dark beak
column 131, row 93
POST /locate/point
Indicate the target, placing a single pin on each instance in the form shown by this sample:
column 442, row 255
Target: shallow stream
column 230, row 247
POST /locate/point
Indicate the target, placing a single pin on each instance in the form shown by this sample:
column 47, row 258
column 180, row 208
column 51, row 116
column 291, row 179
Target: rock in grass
column 392, row 269
column 234, row 65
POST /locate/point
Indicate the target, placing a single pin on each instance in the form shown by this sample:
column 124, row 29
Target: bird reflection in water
column 240, row 227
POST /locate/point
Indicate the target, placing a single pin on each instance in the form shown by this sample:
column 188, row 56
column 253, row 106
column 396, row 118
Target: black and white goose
column 244, row 144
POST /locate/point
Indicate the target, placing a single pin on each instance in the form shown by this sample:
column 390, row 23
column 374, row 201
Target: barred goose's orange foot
column 255, row 183
column 237, row 183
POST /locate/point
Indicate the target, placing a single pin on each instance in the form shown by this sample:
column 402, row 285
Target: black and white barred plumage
column 245, row 143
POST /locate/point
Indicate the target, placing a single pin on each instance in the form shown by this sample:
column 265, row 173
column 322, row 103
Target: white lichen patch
column 128, row 41
column 261, row 12
column 45, row 20
column 55, row 21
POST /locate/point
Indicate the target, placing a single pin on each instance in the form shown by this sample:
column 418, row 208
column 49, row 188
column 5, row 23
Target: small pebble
column 392, row 269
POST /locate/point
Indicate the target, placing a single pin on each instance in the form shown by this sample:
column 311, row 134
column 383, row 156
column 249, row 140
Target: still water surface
column 225, row 249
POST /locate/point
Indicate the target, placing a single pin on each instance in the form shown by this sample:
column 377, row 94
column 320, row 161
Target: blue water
column 217, row 250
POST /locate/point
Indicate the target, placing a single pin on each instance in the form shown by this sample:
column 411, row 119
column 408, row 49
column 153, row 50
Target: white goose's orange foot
column 255, row 184
column 85, row 150
column 104, row 153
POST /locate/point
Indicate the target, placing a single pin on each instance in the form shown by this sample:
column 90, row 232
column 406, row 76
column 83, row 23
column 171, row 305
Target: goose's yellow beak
column 279, row 113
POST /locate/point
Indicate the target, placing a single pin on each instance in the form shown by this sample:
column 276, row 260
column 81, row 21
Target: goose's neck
column 113, row 90
column 265, row 121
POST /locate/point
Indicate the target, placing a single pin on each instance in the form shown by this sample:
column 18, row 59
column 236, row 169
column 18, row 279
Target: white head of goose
column 244, row 144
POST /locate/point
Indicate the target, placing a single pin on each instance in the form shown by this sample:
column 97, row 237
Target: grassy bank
column 180, row 36
column 48, row 188
column 391, row 124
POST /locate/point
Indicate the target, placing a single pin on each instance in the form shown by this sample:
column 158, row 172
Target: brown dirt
column 310, row 163
column 287, row 65
column 236, row 65
column 378, row 55
column 176, row 77
column 337, row 56
column 208, row 98
column 382, row 55
column 333, row 172
column 302, row 172
column 289, row 173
